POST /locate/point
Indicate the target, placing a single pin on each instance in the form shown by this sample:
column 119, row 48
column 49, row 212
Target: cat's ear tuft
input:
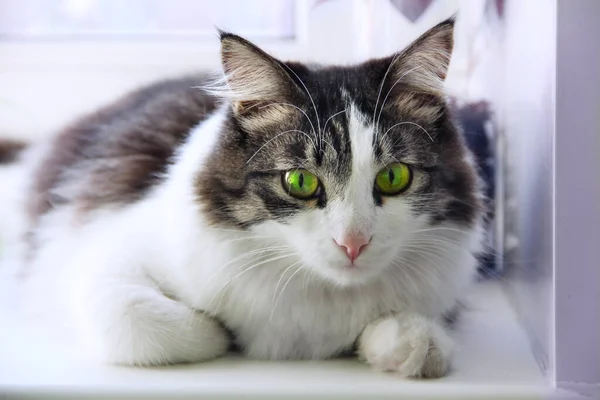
column 252, row 77
column 423, row 65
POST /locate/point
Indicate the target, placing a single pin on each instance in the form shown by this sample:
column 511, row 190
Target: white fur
column 407, row 343
column 14, row 183
column 146, row 284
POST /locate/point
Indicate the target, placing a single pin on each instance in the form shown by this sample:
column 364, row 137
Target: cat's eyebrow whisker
column 409, row 123
column 325, row 128
column 384, row 136
column 330, row 118
column 309, row 96
column 302, row 164
column 330, row 145
column 297, row 108
column 390, row 91
column 383, row 82
column 273, row 138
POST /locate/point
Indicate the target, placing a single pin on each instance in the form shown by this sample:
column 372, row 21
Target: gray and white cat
column 296, row 212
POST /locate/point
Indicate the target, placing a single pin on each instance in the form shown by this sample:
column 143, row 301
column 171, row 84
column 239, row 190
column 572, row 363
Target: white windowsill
column 493, row 359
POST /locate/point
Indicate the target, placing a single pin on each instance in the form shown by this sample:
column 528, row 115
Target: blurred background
column 62, row 58
column 78, row 54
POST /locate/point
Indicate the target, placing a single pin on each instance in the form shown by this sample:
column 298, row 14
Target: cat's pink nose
column 353, row 245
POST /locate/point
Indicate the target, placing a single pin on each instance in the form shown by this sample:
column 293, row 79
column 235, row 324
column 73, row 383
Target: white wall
column 527, row 107
column 46, row 83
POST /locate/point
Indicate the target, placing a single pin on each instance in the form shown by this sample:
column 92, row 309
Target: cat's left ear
column 253, row 77
column 423, row 65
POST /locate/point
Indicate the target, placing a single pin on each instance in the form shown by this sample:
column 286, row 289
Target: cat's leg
column 126, row 319
column 407, row 343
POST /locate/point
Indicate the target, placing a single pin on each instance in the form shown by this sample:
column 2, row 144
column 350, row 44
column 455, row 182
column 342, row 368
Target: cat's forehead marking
column 361, row 140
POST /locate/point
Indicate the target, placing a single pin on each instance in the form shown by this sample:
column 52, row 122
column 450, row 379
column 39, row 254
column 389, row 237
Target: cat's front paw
column 408, row 344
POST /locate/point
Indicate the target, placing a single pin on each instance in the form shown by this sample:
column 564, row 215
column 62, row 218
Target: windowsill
column 493, row 359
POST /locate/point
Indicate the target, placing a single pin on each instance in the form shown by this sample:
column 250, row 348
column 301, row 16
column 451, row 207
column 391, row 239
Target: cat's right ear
column 253, row 78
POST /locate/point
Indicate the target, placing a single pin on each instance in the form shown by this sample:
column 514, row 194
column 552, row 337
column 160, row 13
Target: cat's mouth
column 349, row 273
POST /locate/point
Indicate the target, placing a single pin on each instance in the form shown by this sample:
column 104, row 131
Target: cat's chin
column 349, row 275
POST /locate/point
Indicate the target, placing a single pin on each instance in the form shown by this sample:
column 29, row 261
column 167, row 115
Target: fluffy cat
column 291, row 211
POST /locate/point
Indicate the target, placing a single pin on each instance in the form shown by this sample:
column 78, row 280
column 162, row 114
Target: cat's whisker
column 255, row 251
column 299, row 109
column 330, row 145
column 307, row 278
column 433, row 240
column 225, row 229
column 475, row 206
column 244, row 271
column 410, row 278
column 387, row 71
column 418, row 271
column 426, row 253
column 218, row 210
column 325, row 129
column 433, row 248
column 256, row 258
column 309, row 96
column 440, row 228
column 250, row 253
column 258, row 238
column 409, row 123
column 331, row 117
column 430, row 237
column 279, row 282
column 390, row 91
column 273, row 138
column 283, row 289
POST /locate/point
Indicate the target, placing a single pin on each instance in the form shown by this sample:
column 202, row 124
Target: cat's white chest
column 292, row 318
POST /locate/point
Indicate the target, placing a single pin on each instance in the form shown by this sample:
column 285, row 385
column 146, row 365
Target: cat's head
column 344, row 164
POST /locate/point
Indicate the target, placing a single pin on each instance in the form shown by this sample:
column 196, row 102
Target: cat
column 290, row 211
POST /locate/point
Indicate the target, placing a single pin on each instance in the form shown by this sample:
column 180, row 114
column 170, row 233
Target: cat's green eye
column 393, row 179
column 300, row 183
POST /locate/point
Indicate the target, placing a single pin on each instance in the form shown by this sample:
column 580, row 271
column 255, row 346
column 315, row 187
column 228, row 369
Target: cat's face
column 345, row 165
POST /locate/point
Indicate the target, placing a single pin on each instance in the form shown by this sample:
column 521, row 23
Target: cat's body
column 164, row 227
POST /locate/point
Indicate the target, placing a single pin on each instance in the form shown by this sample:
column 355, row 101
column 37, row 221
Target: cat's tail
column 13, row 154
column 10, row 150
